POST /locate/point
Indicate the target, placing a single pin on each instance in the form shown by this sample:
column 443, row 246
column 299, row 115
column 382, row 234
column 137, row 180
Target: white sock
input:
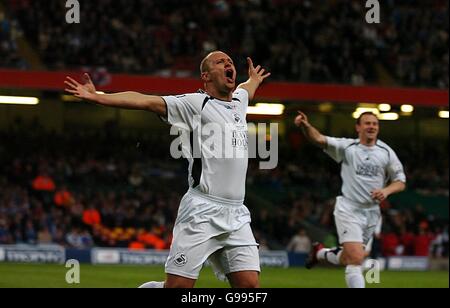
column 332, row 256
column 354, row 277
column 153, row 285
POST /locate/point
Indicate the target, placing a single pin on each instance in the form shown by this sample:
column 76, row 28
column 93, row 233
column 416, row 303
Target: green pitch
column 53, row 276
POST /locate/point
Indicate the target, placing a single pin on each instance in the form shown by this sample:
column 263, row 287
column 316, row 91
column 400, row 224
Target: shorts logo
column 180, row 260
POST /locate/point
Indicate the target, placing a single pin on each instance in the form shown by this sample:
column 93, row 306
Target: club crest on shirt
column 237, row 118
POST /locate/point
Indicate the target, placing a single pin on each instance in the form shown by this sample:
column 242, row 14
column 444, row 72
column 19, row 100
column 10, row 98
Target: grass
column 53, row 276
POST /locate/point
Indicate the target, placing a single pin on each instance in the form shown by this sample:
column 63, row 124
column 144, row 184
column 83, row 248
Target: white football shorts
column 214, row 229
column 355, row 223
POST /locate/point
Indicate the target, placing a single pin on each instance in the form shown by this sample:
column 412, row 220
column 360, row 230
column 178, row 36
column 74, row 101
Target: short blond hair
column 204, row 66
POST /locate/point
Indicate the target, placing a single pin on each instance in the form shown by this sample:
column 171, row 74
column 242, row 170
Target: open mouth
column 229, row 74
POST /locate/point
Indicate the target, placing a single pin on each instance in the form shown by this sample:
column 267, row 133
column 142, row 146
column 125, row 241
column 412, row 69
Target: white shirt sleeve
column 336, row 147
column 184, row 110
column 242, row 96
column 395, row 169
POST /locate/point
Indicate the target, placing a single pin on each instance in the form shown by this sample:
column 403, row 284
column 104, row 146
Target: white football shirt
column 364, row 169
column 220, row 168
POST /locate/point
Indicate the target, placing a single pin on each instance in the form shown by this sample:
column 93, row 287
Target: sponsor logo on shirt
column 240, row 139
column 368, row 170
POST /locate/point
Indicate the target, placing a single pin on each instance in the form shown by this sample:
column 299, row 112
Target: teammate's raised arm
column 126, row 100
column 256, row 77
column 313, row 135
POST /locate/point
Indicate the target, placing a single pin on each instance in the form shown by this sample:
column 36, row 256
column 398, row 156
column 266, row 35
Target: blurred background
column 83, row 176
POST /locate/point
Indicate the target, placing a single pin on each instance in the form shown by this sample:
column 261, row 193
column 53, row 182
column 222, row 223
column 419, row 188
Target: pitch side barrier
column 54, row 254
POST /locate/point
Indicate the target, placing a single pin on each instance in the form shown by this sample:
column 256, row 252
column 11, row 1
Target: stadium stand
column 410, row 46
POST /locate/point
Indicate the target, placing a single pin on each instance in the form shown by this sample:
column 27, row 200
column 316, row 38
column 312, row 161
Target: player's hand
column 84, row 91
column 256, row 73
column 379, row 195
column 301, row 119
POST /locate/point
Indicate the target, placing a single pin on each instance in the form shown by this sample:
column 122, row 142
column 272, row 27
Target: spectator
column 300, row 243
column 30, row 233
column 64, row 198
column 422, row 242
column 407, row 239
column 136, row 246
column 86, row 239
column 44, row 182
column 390, row 244
column 5, row 236
column 79, row 239
column 44, row 236
column 135, row 179
column 91, row 216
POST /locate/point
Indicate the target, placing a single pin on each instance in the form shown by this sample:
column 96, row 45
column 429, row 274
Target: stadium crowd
column 90, row 189
column 9, row 56
column 114, row 190
column 309, row 41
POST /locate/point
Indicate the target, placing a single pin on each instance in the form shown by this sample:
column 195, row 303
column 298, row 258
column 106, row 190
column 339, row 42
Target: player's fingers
column 71, row 91
column 302, row 114
column 266, row 75
column 73, row 82
column 70, row 84
column 257, row 68
column 88, row 78
column 300, row 119
column 261, row 72
column 250, row 63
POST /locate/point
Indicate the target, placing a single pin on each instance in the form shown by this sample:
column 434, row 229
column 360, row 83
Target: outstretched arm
column 126, row 100
column 313, row 135
column 256, row 77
